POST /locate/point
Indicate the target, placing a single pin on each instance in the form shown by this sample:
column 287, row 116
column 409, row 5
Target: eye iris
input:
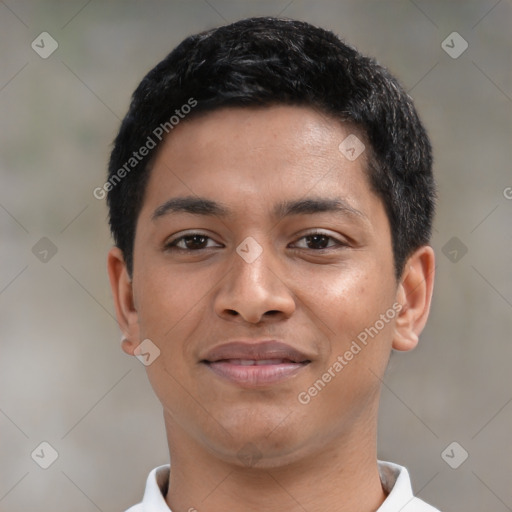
column 195, row 240
column 318, row 240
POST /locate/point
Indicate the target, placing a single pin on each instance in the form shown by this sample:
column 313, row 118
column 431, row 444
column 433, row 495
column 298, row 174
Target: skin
column 317, row 456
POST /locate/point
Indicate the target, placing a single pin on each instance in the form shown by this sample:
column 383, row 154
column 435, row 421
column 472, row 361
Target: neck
column 341, row 476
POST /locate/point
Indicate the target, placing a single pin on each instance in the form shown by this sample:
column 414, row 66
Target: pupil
column 319, row 240
column 196, row 240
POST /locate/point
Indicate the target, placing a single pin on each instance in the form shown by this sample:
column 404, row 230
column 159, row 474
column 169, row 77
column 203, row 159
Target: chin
column 260, row 444
column 264, row 455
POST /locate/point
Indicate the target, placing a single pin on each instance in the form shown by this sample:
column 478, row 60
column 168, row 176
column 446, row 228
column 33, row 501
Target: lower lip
column 255, row 375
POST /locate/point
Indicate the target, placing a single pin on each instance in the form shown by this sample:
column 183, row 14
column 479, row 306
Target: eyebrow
column 306, row 206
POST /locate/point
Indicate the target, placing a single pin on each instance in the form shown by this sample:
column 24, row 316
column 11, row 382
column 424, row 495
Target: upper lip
column 257, row 350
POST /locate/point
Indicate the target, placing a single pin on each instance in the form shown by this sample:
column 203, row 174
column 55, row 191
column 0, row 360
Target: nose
column 254, row 290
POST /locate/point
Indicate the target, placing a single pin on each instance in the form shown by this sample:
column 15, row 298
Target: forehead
column 297, row 132
column 253, row 156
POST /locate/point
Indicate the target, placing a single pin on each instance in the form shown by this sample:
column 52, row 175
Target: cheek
column 347, row 308
column 167, row 298
column 171, row 309
column 344, row 299
column 170, row 315
column 345, row 383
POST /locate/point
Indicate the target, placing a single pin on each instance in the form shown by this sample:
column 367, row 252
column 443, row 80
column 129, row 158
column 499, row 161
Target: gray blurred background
column 63, row 377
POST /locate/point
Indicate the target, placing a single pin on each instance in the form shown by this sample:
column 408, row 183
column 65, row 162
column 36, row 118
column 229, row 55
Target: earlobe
column 122, row 292
column 415, row 295
column 128, row 346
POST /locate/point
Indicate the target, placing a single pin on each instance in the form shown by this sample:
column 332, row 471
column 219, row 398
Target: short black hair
column 266, row 61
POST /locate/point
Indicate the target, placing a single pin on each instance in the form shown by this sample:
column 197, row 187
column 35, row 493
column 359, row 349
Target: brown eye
column 319, row 241
column 192, row 242
column 195, row 241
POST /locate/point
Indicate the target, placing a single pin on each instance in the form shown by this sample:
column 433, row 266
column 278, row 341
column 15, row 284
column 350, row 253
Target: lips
column 253, row 364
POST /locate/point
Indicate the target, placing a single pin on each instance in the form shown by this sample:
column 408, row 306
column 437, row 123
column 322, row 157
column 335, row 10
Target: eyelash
column 172, row 245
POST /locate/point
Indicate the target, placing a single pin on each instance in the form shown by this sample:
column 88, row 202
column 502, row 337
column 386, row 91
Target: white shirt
column 395, row 481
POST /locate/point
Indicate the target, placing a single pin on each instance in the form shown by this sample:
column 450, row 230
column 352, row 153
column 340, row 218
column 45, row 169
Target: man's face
column 277, row 261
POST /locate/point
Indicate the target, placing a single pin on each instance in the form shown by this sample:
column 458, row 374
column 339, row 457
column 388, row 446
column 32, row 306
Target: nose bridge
column 251, row 265
column 253, row 286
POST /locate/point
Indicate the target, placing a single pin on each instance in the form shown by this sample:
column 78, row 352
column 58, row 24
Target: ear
column 414, row 294
column 122, row 292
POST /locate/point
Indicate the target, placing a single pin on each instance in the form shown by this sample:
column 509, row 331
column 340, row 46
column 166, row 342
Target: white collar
column 395, row 481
